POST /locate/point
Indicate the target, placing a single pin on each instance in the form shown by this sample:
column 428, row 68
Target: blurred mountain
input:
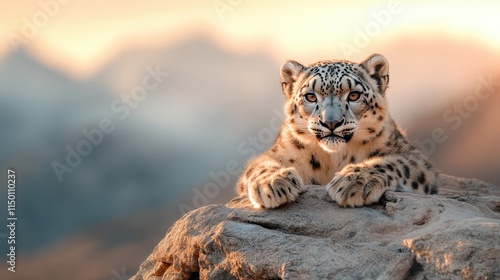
column 433, row 82
column 427, row 73
column 168, row 144
column 42, row 111
column 110, row 250
column 205, row 85
column 468, row 126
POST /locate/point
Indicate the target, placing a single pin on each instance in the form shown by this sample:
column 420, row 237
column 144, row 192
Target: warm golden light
column 80, row 36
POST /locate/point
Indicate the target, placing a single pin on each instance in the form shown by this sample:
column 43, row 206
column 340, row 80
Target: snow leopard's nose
column 331, row 125
column 331, row 116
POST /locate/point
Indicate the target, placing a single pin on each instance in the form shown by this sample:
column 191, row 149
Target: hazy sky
column 79, row 36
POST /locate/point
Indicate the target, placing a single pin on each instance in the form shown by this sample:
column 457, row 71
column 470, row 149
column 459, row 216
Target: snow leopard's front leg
column 268, row 183
column 364, row 183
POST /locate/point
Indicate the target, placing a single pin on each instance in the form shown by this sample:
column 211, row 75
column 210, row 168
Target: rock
column 453, row 235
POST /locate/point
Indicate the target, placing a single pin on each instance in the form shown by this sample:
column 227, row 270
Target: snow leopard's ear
column 289, row 73
column 377, row 67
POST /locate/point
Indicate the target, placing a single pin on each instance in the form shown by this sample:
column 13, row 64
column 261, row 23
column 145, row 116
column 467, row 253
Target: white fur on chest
column 317, row 166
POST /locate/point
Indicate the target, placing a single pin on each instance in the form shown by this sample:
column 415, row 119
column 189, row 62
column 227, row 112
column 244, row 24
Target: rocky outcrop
column 453, row 235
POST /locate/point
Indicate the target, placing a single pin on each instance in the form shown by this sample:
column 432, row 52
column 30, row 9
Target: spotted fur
column 338, row 132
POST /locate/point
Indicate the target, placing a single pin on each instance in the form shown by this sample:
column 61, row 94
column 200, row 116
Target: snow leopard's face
column 334, row 102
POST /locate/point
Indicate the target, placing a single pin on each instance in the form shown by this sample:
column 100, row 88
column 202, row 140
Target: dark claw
column 367, row 194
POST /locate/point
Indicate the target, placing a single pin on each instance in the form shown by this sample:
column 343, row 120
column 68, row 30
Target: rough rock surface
column 454, row 235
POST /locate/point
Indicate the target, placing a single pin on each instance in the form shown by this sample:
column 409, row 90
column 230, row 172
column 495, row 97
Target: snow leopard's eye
column 310, row 97
column 354, row 96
